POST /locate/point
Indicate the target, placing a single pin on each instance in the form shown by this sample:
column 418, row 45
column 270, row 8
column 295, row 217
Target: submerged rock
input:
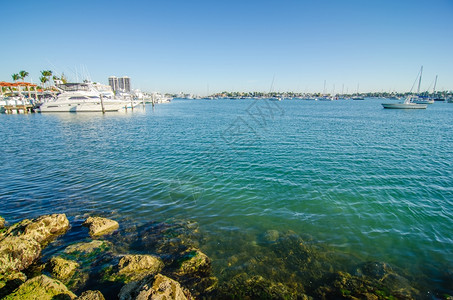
column 257, row 287
column 88, row 248
column 42, row 288
column 100, row 226
column 91, row 295
column 271, row 236
column 134, row 268
column 61, row 268
column 193, row 262
column 2, row 222
column 159, row 287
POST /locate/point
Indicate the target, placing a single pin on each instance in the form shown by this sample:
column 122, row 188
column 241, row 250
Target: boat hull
column 404, row 106
column 82, row 107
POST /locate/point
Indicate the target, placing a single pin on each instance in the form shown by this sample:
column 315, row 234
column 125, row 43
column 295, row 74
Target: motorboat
column 407, row 104
column 82, row 97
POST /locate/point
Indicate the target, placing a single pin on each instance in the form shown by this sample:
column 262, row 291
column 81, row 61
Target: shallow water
column 349, row 176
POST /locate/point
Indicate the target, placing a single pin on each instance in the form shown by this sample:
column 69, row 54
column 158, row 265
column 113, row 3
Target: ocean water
column 365, row 183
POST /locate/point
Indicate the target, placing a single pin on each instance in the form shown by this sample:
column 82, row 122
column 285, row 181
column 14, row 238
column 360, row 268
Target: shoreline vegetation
column 41, row 259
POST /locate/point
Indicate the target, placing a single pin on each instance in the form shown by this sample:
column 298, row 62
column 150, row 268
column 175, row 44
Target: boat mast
column 435, row 82
column 420, row 80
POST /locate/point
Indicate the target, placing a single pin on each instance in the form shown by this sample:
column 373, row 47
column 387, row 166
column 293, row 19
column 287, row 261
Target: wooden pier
column 18, row 108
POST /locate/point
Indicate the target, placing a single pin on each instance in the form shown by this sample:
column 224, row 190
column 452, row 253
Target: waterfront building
column 122, row 84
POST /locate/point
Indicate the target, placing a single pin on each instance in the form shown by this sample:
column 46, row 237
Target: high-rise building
column 122, row 84
column 113, row 82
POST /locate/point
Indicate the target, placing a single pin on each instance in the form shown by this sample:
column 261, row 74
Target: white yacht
column 82, row 97
column 407, row 104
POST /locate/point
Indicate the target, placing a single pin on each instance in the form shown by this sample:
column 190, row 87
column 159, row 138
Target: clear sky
column 235, row 45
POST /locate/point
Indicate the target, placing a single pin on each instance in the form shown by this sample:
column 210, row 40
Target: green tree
column 43, row 80
column 15, row 77
column 23, row 74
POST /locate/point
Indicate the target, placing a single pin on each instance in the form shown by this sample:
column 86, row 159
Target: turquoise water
column 369, row 183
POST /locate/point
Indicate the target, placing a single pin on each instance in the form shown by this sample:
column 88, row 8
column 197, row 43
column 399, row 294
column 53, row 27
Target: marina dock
column 18, row 108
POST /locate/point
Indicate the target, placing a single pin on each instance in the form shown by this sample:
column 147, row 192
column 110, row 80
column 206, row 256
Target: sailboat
column 358, row 97
column 423, row 100
column 408, row 103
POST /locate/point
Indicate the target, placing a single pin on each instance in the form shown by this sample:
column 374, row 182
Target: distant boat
column 407, row 104
column 419, row 99
column 422, row 100
column 325, row 99
column 357, row 97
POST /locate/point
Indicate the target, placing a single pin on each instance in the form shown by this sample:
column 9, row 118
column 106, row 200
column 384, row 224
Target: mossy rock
column 133, row 268
column 17, row 253
column 61, row 268
column 257, row 287
column 91, row 295
column 41, row 288
column 193, row 262
column 11, row 281
column 2, row 222
column 88, row 249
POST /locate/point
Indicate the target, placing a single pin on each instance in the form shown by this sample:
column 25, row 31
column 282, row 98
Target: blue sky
column 192, row 46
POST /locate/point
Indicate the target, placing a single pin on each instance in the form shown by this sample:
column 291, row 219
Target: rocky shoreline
column 170, row 265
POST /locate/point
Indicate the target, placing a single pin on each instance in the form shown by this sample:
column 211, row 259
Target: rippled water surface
column 371, row 183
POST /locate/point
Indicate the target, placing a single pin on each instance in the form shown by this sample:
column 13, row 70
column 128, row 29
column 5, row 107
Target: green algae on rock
column 92, row 248
column 134, row 268
column 61, row 268
column 41, row 288
column 100, row 226
column 17, row 253
column 193, row 262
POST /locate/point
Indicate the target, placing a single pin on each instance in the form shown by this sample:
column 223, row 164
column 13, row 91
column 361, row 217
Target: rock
column 87, row 249
column 271, row 236
column 91, row 295
column 17, row 253
column 158, row 288
column 42, row 229
column 10, row 281
column 42, row 288
column 2, row 223
column 100, row 226
column 194, row 262
column 134, row 268
column 61, row 268
column 376, row 270
column 242, row 286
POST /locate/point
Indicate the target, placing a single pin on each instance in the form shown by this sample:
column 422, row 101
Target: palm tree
column 23, row 74
column 43, row 80
column 15, row 77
